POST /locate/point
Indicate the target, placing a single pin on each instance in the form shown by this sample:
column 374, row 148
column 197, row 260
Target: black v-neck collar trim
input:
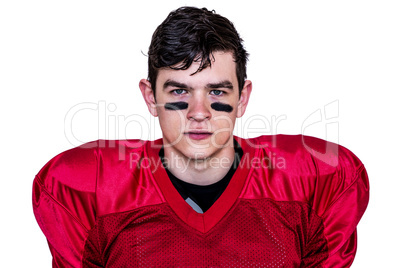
column 204, row 195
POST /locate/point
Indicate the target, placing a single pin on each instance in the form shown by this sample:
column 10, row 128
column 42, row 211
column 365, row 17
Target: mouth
column 198, row 134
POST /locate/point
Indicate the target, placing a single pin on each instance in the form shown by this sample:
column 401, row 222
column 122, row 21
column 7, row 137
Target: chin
column 198, row 154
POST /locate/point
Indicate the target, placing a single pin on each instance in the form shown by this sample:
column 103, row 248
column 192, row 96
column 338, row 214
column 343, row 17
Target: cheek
column 223, row 131
column 224, row 123
column 171, row 121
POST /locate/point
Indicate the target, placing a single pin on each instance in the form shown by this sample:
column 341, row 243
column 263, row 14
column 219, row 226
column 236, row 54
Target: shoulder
column 74, row 168
column 64, row 191
column 309, row 169
column 327, row 156
column 78, row 167
column 70, row 179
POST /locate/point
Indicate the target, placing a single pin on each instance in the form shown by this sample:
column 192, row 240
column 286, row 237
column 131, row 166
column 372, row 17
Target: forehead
column 223, row 68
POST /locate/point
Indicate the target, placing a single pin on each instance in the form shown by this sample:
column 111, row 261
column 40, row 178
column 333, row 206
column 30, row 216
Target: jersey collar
column 206, row 221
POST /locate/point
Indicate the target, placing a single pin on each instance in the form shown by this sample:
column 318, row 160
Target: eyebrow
column 172, row 83
column 224, row 84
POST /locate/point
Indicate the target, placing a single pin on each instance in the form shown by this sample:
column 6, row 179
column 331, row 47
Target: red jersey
column 294, row 201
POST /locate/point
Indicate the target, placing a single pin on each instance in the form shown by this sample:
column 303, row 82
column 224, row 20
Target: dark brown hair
column 191, row 34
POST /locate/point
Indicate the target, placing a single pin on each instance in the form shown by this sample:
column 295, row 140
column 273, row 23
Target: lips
column 198, row 134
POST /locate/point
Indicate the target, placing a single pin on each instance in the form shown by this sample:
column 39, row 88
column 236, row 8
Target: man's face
column 197, row 112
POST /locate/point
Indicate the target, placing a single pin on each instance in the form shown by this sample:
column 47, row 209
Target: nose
column 199, row 109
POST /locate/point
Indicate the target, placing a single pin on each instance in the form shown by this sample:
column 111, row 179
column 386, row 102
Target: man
column 201, row 197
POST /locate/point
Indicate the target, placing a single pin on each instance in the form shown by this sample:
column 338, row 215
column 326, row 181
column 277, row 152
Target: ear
column 148, row 95
column 244, row 97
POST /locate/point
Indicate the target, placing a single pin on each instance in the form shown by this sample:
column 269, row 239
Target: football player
column 200, row 196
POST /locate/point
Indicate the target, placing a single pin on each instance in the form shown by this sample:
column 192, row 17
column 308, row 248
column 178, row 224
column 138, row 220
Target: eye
column 179, row 91
column 217, row 92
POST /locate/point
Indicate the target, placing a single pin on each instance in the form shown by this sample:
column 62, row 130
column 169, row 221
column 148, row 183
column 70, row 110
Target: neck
column 203, row 171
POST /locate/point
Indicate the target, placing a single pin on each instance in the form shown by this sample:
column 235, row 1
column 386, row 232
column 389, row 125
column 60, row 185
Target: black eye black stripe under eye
column 180, row 105
column 221, row 107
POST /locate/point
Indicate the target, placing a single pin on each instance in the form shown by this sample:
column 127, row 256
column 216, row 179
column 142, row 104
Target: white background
column 305, row 55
